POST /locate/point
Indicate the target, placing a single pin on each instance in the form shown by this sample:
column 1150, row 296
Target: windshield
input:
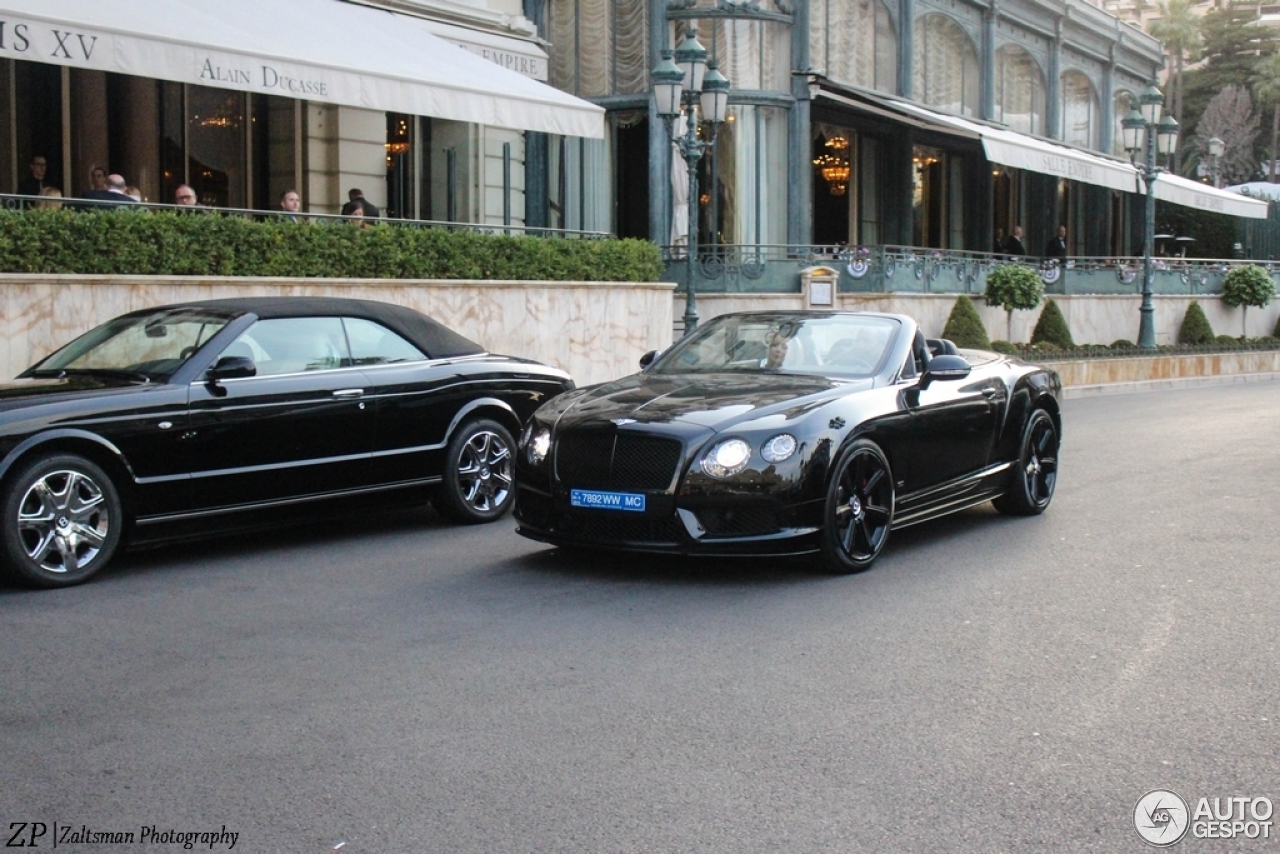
column 150, row 346
column 829, row 345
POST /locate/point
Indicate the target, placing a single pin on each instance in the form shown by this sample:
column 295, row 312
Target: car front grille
column 605, row 528
column 617, row 461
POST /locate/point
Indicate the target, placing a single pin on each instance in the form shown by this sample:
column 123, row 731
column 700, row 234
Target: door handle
column 349, row 392
column 990, row 391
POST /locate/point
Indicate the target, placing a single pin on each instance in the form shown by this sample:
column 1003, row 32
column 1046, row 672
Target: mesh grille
column 597, row 461
column 601, row 527
column 739, row 521
column 644, row 462
column 583, row 459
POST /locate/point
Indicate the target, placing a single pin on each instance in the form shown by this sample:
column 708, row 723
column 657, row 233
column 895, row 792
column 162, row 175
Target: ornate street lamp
column 1217, row 148
column 1145, row 129
column 684, row 82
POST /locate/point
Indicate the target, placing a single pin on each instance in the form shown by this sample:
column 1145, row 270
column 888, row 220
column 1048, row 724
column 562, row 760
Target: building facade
column 918, row 123
column 424, row 105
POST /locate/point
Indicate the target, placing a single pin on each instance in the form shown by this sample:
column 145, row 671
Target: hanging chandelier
column 833, row 166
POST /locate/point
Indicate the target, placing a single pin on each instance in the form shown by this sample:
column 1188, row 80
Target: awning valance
column 317, row 50
column 1182, row 191
column 1021, row 151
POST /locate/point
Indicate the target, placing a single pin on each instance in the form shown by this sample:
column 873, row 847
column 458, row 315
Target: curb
column 1070, row 392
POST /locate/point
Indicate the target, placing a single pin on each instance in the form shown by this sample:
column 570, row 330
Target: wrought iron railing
column 908, row 269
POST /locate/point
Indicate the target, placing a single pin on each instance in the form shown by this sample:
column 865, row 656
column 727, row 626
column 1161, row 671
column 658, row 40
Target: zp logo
column 1161, row 818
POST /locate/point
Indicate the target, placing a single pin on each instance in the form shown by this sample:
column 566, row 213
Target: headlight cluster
column 535, row 442
column 727, row 458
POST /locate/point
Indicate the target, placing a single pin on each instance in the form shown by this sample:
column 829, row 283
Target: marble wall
column 594, row 330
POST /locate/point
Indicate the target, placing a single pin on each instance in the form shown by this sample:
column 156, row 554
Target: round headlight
column 537, row 445
column 727, row 458
column 778, row 448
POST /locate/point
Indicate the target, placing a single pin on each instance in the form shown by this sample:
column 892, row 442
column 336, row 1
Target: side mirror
column 231, row 367
column 647, row 359
column 944, row 369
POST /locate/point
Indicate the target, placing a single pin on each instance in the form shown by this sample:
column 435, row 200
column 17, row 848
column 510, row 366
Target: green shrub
column 1122, row 344
column 1052, row 328
column 1003, row 347
column 127, row 242
column 1248, row 285
column 1227, row 342
column 1195, row 327
column 1014, row 286
column 964, row 326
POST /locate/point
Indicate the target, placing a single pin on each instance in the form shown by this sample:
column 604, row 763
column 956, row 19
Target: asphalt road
column 391, row 684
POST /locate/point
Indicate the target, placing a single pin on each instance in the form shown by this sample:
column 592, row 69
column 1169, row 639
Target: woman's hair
column 49, row 193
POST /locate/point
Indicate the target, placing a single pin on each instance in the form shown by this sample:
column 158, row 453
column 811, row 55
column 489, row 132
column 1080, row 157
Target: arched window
column 599, row 47
column 1121, row 104
column 945, row 66
column 1080, row 125
column 1020, row 98
column 854, row 42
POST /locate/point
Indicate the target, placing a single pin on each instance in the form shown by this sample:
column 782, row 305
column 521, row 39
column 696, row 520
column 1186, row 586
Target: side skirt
column 950, row 497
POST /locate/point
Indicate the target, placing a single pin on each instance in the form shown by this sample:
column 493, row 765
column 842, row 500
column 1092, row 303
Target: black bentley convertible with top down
column 779, row 433
column 233, row 412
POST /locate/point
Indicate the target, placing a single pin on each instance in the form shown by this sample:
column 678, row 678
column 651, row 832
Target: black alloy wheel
column 479, row 474
column 859, row 510
column 61, row 521
column 1035, row 471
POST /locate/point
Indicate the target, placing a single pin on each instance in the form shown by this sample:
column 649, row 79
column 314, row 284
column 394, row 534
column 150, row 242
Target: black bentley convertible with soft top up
column 780, row 433
column 230, row 413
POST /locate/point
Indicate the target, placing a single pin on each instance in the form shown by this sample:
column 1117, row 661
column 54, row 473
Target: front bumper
column 708, row 525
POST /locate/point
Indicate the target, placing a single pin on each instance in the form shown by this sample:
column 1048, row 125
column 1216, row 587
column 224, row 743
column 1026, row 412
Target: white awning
column 1183, row 191
column 518, row 55
column 317, row 50
column 1021, row 151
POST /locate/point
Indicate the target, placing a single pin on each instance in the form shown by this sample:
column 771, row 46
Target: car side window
column 374, row 344
column 291, row 345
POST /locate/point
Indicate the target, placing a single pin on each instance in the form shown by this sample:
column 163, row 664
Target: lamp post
column 1145, row 129
column 685, row 83
column 1216, row 149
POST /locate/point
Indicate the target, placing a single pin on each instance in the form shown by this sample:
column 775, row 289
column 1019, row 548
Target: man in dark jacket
column 1013, row 246
column 1057, row 246
column 33, row 185
column 356, row 197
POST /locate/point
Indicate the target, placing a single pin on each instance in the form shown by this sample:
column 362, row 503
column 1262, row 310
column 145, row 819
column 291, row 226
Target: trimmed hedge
column 1195, row 328
column 1052, row 328
column 125, row 242
column 964, row 326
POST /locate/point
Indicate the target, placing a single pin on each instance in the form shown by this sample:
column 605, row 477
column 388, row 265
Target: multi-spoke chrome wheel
column 479, row 473
column 859, row 511
column 1036, row 469
column 62, row 521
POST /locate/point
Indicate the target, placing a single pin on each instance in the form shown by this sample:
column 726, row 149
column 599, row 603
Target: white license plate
column 598, row 500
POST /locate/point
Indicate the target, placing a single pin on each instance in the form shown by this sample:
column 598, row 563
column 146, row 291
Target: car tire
column 858, row 514
column 1035, row 471
column 61, row 523
column 479, row 474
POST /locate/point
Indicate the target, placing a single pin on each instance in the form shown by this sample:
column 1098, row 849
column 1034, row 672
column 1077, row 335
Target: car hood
column 708, row 401
column 19, row 393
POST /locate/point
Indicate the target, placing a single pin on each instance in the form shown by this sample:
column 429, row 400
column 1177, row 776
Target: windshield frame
column 90, row 353
column 816, row 332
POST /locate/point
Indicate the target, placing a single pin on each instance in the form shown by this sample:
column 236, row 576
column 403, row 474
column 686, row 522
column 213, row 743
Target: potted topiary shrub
column 964, row 326
column 1245, row 286
column 1195, row 328
column 1014, row 286
column 1052, row 328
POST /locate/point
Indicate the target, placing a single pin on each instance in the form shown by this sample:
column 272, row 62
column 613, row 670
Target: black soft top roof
column 434, row 339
